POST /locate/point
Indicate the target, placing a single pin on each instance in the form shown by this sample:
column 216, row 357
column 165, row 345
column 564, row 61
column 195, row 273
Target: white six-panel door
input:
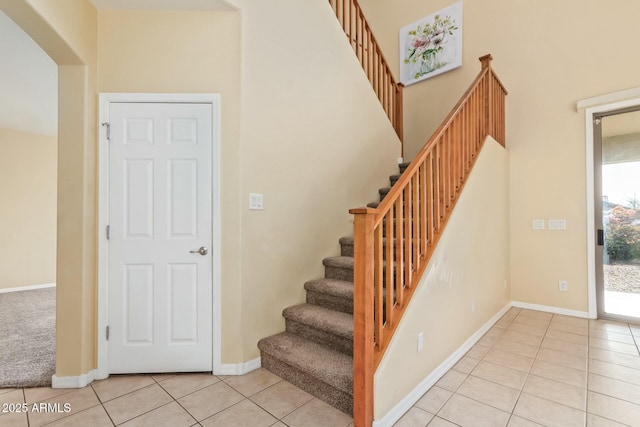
column 160, row 286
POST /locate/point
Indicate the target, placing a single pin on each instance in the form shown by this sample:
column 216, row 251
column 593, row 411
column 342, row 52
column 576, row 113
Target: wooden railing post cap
column 363, row 211
column 486, row 60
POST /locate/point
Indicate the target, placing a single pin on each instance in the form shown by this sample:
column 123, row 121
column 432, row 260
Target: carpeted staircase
column 316, row 351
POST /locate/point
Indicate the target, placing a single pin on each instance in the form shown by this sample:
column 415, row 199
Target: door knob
column 202, row 251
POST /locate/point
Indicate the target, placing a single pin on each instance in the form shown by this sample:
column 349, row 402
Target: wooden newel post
column 363, row 339
column 486, row 64
column 399, row 122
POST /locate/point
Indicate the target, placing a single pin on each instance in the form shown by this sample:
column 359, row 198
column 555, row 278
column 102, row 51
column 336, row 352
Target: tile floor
column 538, row 369
column 531, row 369
column 256, row 399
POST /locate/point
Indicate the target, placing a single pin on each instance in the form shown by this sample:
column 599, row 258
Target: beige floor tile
column 119, row 385
column 516, row 421
column 564, row 394
column 527, row 329
column 522, row 349
column 478, row 351
column 553, row 344
column 162, row 377
column 572, row 329
column 552, row 371
column 494, row 332
column 451, row 380
column 531, row 321
column 7, row 390
column 281, row 399
column 605, row 325
column 469, row 413
column 439, row 422
column 94, row 417
column 535, row 314
column 488, row 341
column 210, row 400
column 510, row 360
column 569, row 360
column 635, row 330
column 39, row 394
column 14, row 419
column 548, row 413
column 78, row 400
column 569, row 320
column 567, row 337
column 524, row 338
column 614, row 388
column 434, row 399
column 504, row 322
column 615, row 357
column 281, row 424
column 136, row 403
column 618, row 347
column 596, row 421
column 513, row 311
column 253, row 382
column 169, row 415
column 183, row 384
column 492, row 394
column 611, row 336
column 316, row 413
column 245, row 413
column 614, row 371
column 414, row 417
column 500, row 375
column 14, row 396
column 466, row 365
column 614, row 409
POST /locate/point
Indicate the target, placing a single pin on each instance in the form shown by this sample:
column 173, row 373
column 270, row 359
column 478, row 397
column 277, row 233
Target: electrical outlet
column 420, row 341
column 563, row 286
column 537, row 224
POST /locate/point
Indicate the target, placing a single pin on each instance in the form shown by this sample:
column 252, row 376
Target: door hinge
column 108, row 333
column 108, row 232
column 108, row 126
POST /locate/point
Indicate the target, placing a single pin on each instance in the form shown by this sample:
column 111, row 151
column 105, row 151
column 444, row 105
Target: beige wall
column 470, row 261
column 65, row 29
column 549, row 56
column 28, row 168
column 189, row 52
column 315, row 142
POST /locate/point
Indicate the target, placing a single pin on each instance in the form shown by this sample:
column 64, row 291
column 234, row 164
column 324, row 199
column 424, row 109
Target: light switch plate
column 557, row 224
column 256, row 201
column 537, row 224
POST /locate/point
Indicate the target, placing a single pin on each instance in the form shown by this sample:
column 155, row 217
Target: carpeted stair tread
column 330, row 366
column 373, row 205
column 325, row 319
column 403, row 166
column 346, row 246
column 383, row 192
column 394, row 178
column 339, row 262
column 336, row 288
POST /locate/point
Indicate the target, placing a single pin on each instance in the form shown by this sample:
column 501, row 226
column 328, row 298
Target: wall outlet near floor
column 563, row 286
column 420, row 341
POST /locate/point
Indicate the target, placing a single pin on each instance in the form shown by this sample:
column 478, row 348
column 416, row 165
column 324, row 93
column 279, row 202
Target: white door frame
column 103, row 214
column 593, row 106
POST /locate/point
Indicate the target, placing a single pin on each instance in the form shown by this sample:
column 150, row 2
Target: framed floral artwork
column 432, row 45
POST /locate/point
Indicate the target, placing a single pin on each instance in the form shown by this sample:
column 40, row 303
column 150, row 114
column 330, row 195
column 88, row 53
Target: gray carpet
column 27, row 338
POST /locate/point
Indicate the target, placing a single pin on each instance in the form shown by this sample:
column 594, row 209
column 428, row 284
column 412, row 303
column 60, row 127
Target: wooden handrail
column 366, row 47
column 394, row 242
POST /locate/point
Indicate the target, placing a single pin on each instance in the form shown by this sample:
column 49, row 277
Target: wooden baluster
column 415, row 221
column 407, row 236
column 399, row 123
column 363, row 339
column 431, row 213
column 390, row 262
column 378, row 293
column 423, row 210
column 399, row 282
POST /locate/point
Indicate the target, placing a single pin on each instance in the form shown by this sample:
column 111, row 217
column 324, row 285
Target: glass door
column 617, row 187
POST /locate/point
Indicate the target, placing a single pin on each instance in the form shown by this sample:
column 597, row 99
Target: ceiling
column 28, row 82
column 164, row 4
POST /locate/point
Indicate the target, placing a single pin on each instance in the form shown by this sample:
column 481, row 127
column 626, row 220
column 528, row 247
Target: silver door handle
column 202, row 251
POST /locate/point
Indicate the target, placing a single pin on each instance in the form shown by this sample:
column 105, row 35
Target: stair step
column 330, row 293
column 322, row 325
column 393, row 179
column 403, row 166
column 346, row 246
column 318, row 370
column 338, row 267
column 383, row 192
column 373, row 204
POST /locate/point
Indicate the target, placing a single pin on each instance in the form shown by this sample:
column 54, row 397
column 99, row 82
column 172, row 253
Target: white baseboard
column 551, row 309
column 27, row 288
column 74, row 382
column 238, row 368
column 414, row 395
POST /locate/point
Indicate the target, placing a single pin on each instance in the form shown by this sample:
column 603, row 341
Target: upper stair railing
column 375, row 66
column 394, row 242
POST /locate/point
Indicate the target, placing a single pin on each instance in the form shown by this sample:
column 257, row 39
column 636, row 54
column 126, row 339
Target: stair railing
column 375, row 66
column 394, row 242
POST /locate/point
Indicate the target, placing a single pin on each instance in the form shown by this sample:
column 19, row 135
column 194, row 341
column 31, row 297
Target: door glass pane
column 621, row 213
